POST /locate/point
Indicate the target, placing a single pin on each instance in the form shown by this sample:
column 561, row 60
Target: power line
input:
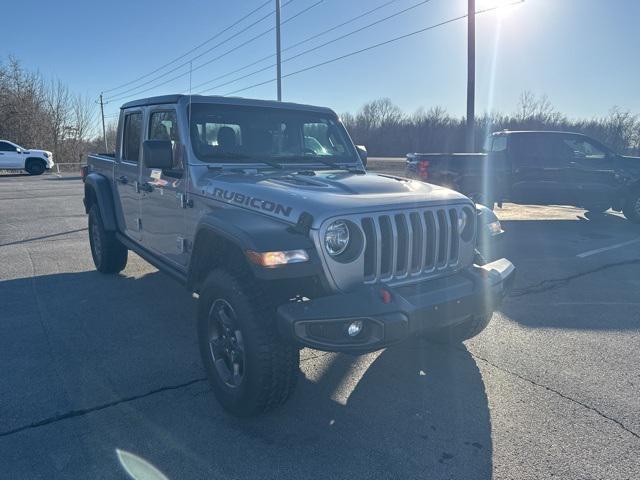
column 193, row 49
column 126, row 94
column 371, row 47
column 248, row 27
column 306, row 40
column 329, row 42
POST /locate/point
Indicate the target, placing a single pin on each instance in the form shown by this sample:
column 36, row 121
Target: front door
column 127, row 175
column 592, row 174
column 9, row 156
column 162, row 200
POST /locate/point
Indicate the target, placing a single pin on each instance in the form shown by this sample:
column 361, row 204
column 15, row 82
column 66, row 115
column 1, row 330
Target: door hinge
column 139, row 223
column 183, row 245
column 184, row 203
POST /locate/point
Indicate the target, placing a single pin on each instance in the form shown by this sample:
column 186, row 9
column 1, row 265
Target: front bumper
column 407, row 310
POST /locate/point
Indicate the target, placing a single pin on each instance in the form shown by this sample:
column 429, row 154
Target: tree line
column 387, row 131
column 45, row 114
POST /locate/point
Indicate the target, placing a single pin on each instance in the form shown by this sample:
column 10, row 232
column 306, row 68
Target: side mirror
column 157, row 154
column 362, row 152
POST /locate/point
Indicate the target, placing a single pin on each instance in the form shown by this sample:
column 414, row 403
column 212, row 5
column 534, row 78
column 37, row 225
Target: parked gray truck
column 538, row 168
column 264, row 210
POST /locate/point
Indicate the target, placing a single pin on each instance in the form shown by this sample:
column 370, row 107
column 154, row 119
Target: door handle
column 123, row 179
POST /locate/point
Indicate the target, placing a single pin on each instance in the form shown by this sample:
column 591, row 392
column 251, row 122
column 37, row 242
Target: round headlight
column 336, row 238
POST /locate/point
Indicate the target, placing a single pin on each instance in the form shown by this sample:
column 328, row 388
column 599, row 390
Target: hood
column 323, row 194
column 35, row 150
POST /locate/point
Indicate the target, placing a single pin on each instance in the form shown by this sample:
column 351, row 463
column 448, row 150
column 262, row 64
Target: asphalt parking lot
column 92, row 364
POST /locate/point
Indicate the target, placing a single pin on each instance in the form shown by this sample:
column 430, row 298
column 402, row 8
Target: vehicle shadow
column 556, row 288
column 412, row 411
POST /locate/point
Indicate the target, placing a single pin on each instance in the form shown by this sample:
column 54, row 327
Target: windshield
column 224, row 134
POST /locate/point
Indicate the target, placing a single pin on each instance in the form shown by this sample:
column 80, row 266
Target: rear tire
column 35, row 166
column 461, row 332
column 632, row 207
column 251, row 369
column 109, row 255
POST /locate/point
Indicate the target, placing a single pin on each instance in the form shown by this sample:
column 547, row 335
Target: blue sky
column 583, row 54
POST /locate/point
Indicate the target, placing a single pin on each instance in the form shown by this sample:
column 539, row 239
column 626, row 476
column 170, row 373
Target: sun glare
column 502, row 8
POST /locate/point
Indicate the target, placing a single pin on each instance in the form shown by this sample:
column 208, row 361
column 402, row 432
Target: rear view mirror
column 362, row 152
column 157, row 154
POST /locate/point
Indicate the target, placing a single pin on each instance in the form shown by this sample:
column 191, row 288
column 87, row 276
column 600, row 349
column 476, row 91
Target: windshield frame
column 351, row 159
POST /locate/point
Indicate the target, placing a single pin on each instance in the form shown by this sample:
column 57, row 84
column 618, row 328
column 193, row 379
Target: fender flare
column 250, row 231
column 101, row 188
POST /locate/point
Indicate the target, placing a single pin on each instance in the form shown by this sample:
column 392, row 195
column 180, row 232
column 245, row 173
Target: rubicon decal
column 252, row 202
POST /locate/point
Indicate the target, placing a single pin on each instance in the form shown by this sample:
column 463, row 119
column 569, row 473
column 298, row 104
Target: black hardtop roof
column 238, row 101
column 519, row 132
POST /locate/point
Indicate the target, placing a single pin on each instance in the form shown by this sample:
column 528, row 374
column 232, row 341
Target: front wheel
column 35, row 167
column 251, row 369
column 632, row 207
column 460, row 332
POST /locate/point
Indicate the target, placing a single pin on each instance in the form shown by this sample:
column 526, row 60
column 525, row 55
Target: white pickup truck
column 14, row 157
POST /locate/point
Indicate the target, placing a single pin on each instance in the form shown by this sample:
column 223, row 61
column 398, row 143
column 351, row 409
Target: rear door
column 539, row 169
column 127, row 173
column 162, row 198
column 9, row 156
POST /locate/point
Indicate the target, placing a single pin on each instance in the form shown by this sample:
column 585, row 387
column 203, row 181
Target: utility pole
column 471, row 76
column 278, row 53
column 104, row 130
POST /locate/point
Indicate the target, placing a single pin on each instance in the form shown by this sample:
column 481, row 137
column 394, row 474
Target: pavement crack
column 86, row 411
column 551, row 284
column 560, row 394
column 313, row 357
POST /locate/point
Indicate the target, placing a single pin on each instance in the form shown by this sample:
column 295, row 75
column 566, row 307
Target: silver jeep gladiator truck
column 264, row 210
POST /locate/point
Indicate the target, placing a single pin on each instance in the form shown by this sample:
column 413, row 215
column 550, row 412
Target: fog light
column 355, row 328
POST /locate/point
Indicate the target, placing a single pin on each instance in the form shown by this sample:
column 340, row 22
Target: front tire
column 632, row 207
column 109, row 255
column 35, row 167
column 251, row 369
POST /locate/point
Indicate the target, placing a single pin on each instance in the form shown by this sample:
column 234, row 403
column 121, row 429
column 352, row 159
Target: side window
column 7, row 147
column 163, row 126
column 582, row 148
column 132, row 137
column 320, row 139
column 499, row 143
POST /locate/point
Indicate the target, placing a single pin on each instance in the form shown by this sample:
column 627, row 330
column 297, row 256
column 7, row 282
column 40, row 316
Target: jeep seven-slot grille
column 410, row 243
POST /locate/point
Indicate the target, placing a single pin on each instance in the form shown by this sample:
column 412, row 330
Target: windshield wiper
column 242, row 156
column 317, row 158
